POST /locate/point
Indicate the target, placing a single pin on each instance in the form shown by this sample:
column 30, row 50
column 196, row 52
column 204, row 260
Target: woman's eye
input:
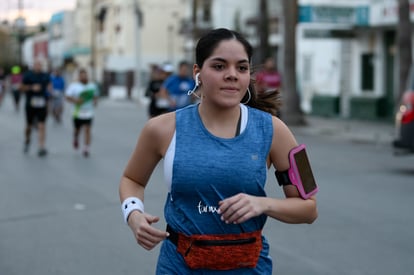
column 244, row 68
column 218, row 66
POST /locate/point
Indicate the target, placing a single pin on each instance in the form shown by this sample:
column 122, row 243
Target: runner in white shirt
column 84, row 95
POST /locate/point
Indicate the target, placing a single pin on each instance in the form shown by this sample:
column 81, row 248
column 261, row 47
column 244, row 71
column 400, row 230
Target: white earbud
column 197, row 82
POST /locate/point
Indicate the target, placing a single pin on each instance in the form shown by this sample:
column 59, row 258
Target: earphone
column 197, row 81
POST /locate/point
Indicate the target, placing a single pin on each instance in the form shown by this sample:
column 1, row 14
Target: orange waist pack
column 219, row 252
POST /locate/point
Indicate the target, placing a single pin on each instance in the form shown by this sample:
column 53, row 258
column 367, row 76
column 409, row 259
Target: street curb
column 355, row 131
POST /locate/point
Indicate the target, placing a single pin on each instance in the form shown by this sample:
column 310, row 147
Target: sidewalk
column 357, row 131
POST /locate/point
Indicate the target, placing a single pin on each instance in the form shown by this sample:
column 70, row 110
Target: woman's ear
column 196, row 71
column 196, row 74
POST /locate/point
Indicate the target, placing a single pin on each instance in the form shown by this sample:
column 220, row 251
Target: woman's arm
column 74, row 100
column 140, row 166
column 292, row 209
column 151, row 146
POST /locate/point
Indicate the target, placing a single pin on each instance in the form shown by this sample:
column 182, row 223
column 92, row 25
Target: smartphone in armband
column 299, row 174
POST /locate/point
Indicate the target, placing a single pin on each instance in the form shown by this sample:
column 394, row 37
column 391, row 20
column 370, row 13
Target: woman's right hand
column 146, row 235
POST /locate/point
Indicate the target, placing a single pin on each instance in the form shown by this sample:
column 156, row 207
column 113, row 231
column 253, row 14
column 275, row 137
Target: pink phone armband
column 300, row 173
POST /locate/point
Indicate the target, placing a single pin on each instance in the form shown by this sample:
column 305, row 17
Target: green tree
column 292, row 113
column 3, row 45
column 8, row 56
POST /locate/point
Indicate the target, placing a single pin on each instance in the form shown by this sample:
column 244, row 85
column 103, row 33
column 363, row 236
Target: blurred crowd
column 11, row 82
column 169, row 90
column 45, row 94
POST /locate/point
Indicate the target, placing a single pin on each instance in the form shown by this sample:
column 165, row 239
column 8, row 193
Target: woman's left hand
column 239, row 208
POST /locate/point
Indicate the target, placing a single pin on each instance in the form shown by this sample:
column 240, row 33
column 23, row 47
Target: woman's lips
column 230, row 89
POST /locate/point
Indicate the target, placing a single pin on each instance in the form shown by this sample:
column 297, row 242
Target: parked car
column 404, row 121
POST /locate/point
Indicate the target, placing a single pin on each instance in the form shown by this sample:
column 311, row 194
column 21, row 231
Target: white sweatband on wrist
column 130, row 204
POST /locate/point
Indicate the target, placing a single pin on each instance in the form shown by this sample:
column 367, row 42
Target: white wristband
column 130, row 204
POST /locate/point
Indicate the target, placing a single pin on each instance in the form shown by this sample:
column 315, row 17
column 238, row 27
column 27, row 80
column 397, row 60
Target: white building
column 36, row 47
column 161, row 38
column 80, row 52
column 28, row 52
column 242, row 15
column 126, row 36
column 61, row 38
column 120, row 39
column 347, row 57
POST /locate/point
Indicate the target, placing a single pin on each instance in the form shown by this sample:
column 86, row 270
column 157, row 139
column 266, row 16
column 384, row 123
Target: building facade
column 131, row 35
column 61, row 38
column 119, row 40
column 347, row 58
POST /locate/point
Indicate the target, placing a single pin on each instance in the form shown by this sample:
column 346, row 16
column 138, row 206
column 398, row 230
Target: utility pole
column 170, row 44
column 20, row 25
column 405, row 56
column 263, row 30
column 291, row 113
column 20, row 7
column 138, row 25
column 93, row 38
column 194, row 20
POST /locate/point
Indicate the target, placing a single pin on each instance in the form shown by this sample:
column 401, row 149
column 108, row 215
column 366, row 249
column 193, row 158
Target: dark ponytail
column 270, row 101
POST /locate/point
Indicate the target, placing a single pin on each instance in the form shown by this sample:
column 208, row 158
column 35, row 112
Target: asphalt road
column 61, row 214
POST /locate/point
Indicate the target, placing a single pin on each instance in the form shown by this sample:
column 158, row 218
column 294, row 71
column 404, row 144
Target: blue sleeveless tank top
column 207, row 169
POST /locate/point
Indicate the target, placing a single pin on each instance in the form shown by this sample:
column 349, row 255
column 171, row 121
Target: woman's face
column 225, row 75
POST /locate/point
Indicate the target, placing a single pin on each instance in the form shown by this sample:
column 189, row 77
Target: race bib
column 85, row 114
column 37, row 102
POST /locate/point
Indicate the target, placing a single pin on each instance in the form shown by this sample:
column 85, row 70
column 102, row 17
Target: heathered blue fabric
column 207, row 169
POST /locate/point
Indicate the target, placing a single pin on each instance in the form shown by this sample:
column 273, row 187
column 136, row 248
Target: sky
column 34, row 11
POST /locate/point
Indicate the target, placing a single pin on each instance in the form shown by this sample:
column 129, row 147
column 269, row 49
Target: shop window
column 367, row 72
column 120, row 78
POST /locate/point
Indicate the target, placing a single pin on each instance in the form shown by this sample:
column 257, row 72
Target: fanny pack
column 218, row 251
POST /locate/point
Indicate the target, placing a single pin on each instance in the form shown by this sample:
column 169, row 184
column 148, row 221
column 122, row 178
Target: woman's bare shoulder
column 283, row 142
column 161, row 129
column 281, row 130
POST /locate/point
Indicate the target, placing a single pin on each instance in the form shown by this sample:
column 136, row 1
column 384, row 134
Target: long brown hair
column 270, row 101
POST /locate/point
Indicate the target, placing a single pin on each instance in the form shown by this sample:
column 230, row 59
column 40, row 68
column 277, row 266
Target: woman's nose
column 231, row 74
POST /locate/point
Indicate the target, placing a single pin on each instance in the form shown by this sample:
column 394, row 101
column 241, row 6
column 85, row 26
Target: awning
column 77, row 50
column 56, row 18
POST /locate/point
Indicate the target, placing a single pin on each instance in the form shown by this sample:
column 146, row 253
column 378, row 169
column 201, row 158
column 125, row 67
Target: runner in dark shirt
column 154, row 86
column 36, row 85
